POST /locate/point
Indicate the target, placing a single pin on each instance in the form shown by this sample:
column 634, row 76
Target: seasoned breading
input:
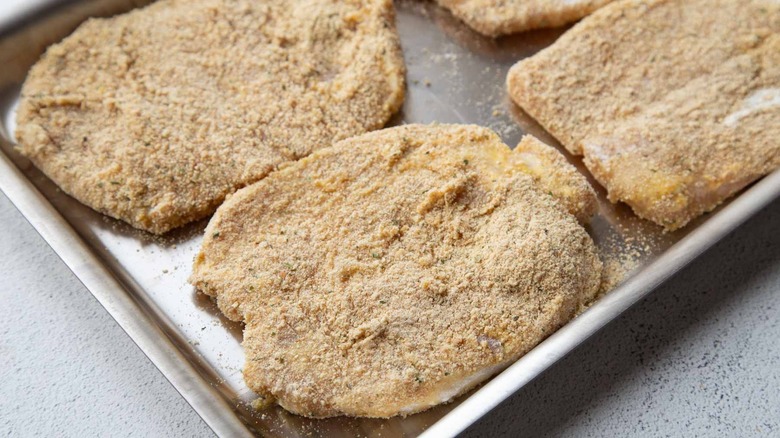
column 501, row 17
column 154, row 116
column 675, row 105
column 395, row 270
column 555, row 175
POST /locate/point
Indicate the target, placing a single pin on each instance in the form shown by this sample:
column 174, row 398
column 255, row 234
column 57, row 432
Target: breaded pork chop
column 154, row 116
column 501, row 17
column 394, row 270
column 674, row 104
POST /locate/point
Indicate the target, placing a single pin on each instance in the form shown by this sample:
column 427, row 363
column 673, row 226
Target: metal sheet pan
column 454, row 75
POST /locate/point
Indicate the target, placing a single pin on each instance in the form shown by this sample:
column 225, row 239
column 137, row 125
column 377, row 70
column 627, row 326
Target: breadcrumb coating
column 153, row 116
column 553, row 173
column 675, row 105
column 394, row 271
column 501, row 17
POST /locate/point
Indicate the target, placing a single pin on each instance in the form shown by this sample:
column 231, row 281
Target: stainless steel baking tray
column 454, row 75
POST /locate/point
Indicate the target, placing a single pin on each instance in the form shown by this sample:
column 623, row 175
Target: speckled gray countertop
column 699, row 357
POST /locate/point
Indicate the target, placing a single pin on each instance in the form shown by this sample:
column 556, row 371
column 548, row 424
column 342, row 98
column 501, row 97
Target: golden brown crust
column 674, row 104
column 393, row 271
column 154, row 116
column 501, row 17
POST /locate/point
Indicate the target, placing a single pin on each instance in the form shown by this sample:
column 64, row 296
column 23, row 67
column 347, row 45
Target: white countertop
column 700, row 356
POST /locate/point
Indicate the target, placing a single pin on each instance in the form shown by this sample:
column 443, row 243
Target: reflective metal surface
column 454, row 75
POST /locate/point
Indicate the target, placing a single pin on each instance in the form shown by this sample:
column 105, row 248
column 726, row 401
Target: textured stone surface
column 699, row 357
column 66, row 368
